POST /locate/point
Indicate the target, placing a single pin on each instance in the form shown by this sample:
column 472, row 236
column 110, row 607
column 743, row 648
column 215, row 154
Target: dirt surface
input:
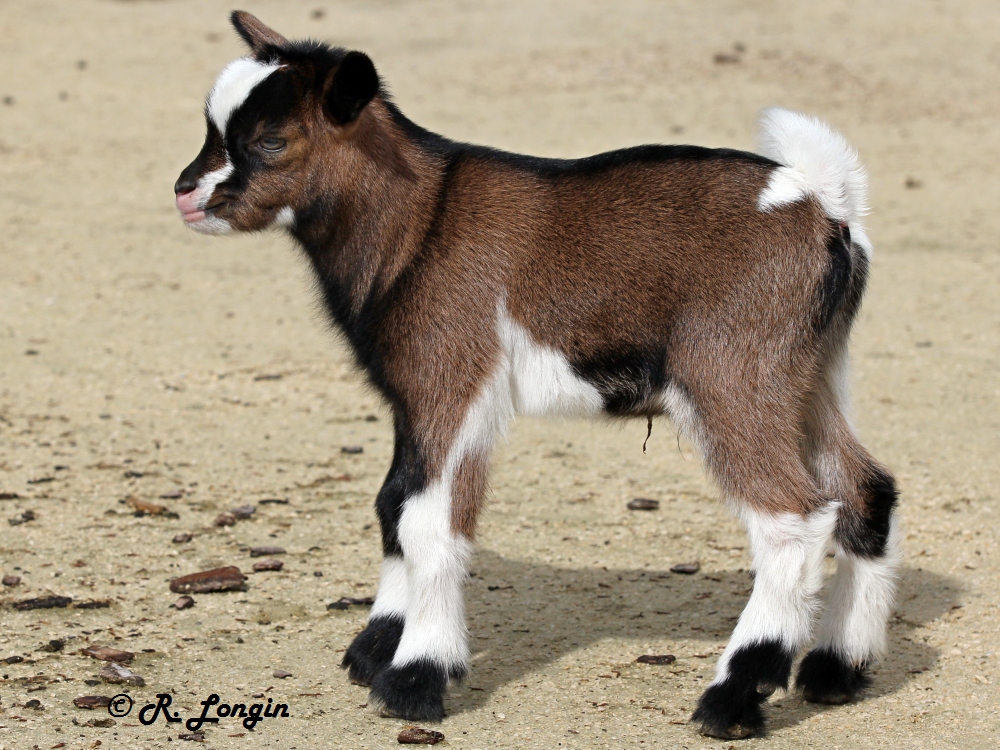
column 138, row 359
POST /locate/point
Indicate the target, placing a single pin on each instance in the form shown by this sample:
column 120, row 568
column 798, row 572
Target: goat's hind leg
column 852, row 633
column 788, row 551
column 789, row 524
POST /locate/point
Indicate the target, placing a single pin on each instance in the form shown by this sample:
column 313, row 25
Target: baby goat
column 715, row 287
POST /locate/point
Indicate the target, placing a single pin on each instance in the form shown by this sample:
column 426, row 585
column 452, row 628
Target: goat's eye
column 271, row 144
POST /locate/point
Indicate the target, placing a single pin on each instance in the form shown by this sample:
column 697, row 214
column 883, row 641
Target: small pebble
column 419, row 736
column 268, row 564
column 281, row 674
column 103, row 723
column 266, row 551
column 43, row 602
column 657, row 659
column 53, row 646
column 115, row 673
column 192, row 736
column 182, row 538
column 172, row 495
column 686, row 569
column 92, row 701
column 242, row 512
column 106, row 653
column 93, row 604
column 220, row 579
column 352, row 449
column 346, row 601
column 35, row 704
column 13, row 660
column 225, row 519
column 643, row 503
column 11, row 580
column 144, row 508
column 184, row 602
column 28, row 515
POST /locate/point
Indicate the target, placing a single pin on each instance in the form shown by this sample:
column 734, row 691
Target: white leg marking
column 232, row 88
column 541, row 379
column 436, row 559
column 788, row 554
column 392, row 589
column 862, row 594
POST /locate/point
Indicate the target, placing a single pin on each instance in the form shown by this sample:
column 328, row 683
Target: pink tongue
column 187, row 204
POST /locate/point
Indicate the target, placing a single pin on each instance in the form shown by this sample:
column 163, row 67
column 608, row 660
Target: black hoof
column 414, row 692
column 373, row 648
column 734, row 708
column 827, row 677
column 729, row 712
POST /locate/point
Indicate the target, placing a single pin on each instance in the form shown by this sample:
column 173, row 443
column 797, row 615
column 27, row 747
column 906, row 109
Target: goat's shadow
column 525, row 615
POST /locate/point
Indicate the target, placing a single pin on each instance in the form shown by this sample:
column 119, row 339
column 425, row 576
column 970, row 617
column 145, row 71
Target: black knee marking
column 866, row 534
column 373, row 648
column 406, row 476
column 733, row 708
column 414, row 691
column 825, row 676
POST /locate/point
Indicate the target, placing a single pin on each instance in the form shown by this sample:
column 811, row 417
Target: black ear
column 257, row 36
column 353, row 86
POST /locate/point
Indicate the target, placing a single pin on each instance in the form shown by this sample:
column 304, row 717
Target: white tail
column 818, row 161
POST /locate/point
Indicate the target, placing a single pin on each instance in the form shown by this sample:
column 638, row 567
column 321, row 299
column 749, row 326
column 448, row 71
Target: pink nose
column 188, row 206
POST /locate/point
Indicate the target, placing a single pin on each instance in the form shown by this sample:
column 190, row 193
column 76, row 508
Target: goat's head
column 275, row 119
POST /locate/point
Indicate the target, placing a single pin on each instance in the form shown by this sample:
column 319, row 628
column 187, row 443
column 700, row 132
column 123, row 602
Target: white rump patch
column 233, row 86
column 785, row 186
column 817, row 161
column 541, row 379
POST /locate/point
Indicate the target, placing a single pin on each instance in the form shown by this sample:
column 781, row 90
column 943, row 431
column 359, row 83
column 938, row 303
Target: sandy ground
column 138, row 359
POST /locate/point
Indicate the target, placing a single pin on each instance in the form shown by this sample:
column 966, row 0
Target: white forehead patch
column 233, row 87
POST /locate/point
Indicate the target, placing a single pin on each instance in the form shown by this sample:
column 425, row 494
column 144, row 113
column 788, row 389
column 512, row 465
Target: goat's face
column 274, row 118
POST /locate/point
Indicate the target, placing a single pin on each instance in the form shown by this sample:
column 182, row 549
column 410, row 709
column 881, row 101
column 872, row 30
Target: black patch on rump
column 865, row 534
column 627, row 379
column 414, row 691
column 835, row 286
column 733, row 707
column 372, row 649
column 827, row 677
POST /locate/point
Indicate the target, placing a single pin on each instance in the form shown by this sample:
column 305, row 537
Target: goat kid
column 714, row 287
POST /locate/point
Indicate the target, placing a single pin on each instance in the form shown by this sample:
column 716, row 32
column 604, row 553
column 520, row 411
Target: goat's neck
column 361, row 239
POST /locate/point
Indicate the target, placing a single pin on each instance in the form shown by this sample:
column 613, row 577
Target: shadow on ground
column 525, row 615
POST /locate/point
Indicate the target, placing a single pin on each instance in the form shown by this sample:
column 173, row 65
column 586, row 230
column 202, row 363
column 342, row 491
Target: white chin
column 211, row 225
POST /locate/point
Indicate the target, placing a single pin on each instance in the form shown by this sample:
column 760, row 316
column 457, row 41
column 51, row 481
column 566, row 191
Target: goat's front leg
column 372, row 650
column 435, row 534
